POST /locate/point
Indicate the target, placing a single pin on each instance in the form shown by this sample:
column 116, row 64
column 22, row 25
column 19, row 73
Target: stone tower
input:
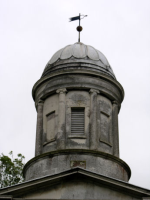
column 78, row 100
column 77, row 142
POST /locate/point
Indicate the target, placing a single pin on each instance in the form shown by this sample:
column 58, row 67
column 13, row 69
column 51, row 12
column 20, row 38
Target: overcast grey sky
column 33, row 30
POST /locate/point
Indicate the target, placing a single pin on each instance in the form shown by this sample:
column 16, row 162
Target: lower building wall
column 77, row 189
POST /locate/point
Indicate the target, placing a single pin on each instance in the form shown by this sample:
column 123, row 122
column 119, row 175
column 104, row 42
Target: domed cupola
column 79, row 56
column 78, row 100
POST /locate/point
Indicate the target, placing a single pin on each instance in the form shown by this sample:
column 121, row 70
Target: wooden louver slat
column 77, row 121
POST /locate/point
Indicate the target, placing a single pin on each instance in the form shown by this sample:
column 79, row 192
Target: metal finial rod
column 79, row 25
column 79, row 28
column 79, row 37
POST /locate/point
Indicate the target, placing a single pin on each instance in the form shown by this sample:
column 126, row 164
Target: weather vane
column 79, row 28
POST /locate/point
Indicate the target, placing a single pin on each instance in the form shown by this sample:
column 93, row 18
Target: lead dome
column 79, row 56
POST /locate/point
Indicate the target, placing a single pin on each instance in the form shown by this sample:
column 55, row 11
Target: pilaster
column 93, row 119
column 61, row 118
column 115, row 130
column 39, row 129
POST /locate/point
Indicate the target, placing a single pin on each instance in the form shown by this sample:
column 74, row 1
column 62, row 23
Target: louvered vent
column 77, row 121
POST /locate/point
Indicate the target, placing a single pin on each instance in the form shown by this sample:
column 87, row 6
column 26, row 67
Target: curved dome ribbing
column 78, row 56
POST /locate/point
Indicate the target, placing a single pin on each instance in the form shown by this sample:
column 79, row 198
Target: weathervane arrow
column 79, row 28
column 74, row 18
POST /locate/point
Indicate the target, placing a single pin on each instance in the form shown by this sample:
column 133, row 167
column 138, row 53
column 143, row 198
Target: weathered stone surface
column 61, row 134
column 75, row 87
column 75, row 79
column 78, row 189
column 99, row 125
column 39, row 129
column 58, row 161
column 77, row 183
column 77, row 139
column 115, row 111
column 93, row 119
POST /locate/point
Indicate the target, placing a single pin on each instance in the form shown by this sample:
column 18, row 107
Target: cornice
column 77, row 72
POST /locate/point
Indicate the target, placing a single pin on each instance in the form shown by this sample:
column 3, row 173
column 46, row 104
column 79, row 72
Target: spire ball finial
column 79, row 28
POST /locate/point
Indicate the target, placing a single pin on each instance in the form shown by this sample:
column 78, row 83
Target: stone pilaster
column 61, row 118
column 39, row 129
column 93, row 119
column 115, row 130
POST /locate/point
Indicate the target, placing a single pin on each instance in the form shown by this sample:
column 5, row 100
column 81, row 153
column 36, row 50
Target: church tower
column 78, row 100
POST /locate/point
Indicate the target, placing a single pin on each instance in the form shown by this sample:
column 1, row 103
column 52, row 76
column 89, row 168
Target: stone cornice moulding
column 80, row 72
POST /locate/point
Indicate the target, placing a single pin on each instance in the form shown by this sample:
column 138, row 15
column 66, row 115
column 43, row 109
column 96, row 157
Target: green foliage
column 11, row 170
